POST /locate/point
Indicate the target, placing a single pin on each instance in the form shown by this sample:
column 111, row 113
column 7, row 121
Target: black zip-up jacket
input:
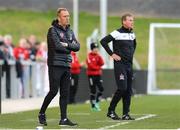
column 124, row 44
column 59, row 55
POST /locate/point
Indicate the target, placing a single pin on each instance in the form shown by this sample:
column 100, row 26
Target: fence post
column 1, row 63
column 0, row 86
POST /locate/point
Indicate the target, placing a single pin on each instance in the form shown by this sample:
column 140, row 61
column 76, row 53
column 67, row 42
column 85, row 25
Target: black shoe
column 127, row 117
column 113, row 115
column 67, row 122
column 42, row 119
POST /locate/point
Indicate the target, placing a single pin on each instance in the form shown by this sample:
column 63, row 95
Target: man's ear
column 59, row 19
column 123, row 22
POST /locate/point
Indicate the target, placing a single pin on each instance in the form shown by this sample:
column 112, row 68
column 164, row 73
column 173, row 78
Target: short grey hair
column 59, row 10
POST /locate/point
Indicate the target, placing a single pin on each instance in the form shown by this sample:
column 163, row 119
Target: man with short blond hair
column 124, row 45
column 61, row 41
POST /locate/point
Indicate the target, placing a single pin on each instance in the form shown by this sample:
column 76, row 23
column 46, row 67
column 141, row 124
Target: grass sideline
column 165, row 109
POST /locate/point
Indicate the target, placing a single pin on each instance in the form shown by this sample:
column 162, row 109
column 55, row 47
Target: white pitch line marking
column 127, row 122
column 145, row 117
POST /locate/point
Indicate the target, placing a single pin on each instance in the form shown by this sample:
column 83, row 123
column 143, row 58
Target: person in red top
column 75, row 71
column 21, row 53
column 94, row 71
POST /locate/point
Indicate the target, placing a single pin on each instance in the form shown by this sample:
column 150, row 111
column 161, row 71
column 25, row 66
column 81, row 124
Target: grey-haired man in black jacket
column 61, row 41
column 124, row 45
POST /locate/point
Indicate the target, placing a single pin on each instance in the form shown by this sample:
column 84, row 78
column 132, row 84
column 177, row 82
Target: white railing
column 35, row 79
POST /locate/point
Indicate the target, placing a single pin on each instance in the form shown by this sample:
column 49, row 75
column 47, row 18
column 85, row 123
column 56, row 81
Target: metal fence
column 32, row 83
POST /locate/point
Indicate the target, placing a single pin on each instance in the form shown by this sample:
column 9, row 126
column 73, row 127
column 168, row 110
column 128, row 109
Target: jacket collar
column 55, row 24
column 126, row 29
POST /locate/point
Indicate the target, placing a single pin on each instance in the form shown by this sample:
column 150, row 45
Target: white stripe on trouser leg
column 91, row 81
column 72, row 82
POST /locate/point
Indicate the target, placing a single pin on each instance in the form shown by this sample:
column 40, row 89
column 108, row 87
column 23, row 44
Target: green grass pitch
column 151, row 112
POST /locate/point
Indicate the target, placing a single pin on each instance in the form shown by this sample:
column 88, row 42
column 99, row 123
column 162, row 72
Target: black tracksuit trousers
column 123, row 76
column 96, row 88
column 59, row 78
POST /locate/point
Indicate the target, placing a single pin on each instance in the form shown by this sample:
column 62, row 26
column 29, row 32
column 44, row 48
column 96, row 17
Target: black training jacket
column 124, row 44
column 57, row 54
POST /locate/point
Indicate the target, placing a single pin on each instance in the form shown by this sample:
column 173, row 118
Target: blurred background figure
column 2, row 56
column 2, row 48
column 8, row 43
column 75, row 71
column 32, row 40
column 21, row 54
column 94, row 71
column 42, row 69
column 8, row 55
column 33, row 45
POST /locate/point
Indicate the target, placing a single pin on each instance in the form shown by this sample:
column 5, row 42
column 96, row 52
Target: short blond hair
column 124, row 16
column 59, row 10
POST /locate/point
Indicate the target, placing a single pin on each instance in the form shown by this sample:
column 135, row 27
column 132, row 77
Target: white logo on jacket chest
column 122, row 36
column 132, row 36
column 62, row 35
